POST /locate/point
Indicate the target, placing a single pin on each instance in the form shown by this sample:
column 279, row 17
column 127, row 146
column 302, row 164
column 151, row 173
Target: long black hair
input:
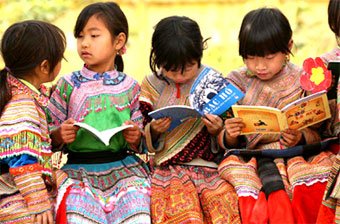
column 264, row 31
column 334, row 16
column 176, row 41
column 113, row 18
column 24, row 46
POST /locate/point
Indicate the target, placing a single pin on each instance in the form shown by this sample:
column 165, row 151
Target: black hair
column 113, row 18
column 264, row 31
column 176, row 41
column 334, row 16
column 24, row 46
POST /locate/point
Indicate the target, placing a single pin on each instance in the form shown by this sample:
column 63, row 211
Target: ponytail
column 5, row 93
column 119, row 63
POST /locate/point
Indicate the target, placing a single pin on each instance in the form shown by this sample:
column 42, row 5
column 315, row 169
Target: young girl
column 329, row 211
column 112, row 183
column 266, row 184
column 32, row 52
column 185, row 183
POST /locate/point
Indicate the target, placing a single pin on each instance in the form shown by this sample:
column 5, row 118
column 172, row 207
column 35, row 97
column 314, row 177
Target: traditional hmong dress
column 112, row 183
column 329, row 211
column 25, row 157
column 185, row 186
column 265, row 183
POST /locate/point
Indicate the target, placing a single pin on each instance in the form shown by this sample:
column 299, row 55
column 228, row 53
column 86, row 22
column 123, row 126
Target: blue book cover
column 213, row 94
column 178, row 114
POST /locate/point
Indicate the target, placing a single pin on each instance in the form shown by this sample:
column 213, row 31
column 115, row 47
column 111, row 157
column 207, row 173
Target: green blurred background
column 219, row 20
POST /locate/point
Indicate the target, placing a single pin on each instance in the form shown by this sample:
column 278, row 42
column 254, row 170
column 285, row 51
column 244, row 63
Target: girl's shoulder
column 241, row 73
column 155, row 80
column 20, row 108
column 333, row 55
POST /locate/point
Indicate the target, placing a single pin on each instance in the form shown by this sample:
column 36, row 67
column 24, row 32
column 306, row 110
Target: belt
column 95, row 157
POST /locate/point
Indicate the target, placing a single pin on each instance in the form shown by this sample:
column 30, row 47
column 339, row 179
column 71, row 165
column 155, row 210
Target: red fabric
column 61, row 212
column 306, row 202
column 334, row 148
column 326, row 215
column 246, row 205
column 279, row 208
column 259, row 214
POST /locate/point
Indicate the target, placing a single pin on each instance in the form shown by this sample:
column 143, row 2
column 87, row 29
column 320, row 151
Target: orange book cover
column 299, row 114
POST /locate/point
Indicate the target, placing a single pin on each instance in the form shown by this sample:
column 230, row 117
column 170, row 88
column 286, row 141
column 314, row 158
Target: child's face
column 265, row 68
column 96, row 47
column 188, row 74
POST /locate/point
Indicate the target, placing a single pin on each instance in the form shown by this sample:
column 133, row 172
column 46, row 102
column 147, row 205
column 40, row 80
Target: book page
column 105, row 135
column 309, row 112
column 259, row 119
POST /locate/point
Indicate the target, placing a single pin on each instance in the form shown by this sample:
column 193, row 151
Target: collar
column 19, row 87
column 96, row 76
column 29, row 85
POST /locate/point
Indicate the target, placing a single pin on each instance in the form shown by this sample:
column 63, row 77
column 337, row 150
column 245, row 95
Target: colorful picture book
column 210, row 93
column 105, row 135
column 299, row 114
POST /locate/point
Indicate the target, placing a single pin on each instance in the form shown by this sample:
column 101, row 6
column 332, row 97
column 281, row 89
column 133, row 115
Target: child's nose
column 260, row 65
column 84, row 44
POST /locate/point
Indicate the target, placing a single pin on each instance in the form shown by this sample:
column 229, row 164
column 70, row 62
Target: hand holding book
column 209, row 94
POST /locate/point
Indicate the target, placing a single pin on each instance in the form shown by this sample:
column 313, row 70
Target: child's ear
column 120, row 41
column 290, row 44
column 45, row 67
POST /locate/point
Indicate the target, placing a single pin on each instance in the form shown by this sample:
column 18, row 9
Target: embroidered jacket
column 103, row 101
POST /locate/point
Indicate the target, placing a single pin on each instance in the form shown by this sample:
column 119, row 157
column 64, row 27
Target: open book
column 210, row 93
column 178, row 114
column 299, row 114
column 105, row 135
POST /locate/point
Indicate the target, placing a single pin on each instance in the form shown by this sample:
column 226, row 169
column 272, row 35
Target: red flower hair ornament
column 315, row 77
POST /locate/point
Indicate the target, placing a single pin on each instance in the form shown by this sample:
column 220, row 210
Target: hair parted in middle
column 113, row 18
column 264, row 31
column 176, row 41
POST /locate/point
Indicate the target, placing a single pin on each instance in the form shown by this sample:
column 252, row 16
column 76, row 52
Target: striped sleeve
column 149, row 91
column 58, row 107
column 136, row 114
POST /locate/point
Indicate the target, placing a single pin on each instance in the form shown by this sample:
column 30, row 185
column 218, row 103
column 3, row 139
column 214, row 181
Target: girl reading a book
column 253, row 164
column 185, row 183
column 32, row 52
column 329, row 210
column 109, row 179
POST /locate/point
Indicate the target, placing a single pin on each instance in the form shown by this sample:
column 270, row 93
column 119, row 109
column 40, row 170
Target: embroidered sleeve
column 23, row 132
column 136, row 114
column 153, row 146
column 29, row 181
column 58, row 107
column 149, row 92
